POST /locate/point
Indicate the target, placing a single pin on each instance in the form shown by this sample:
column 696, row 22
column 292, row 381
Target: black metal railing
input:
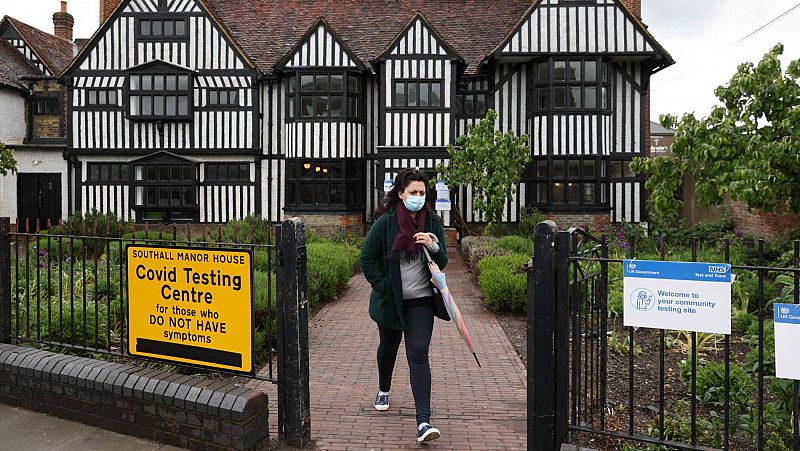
column 659, row 388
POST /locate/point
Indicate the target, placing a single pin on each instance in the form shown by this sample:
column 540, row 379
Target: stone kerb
column 156, row 405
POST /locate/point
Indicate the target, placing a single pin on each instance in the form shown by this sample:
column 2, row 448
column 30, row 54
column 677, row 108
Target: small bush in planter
column 503, row 286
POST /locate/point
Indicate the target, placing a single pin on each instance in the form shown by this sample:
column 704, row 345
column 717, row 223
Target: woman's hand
column 423, row 238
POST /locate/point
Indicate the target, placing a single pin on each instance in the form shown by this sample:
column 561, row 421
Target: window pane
column 469, row 104
column 180, row 28
column 172, row 82
column 147, row 82
column 306, row 193
column 423, row 94
column 336, row 106
column 590, row 98
column 561, row 97
column 574, row 97
column 480, row 105
column 92, row 97
column 94, row 171
column 163, row 173
column 436, row 94
column 145, row 27
column 604, row 98
column 290, row 82
column 152, row 196
column 157, row 31
column 541, row 169
column 558, row 168
column 188, row 172
column 188, row 196
column 183, row 105
column 321, row 193
column 589, row 168
column 543, row 76
column 223, row 172
column 558, row 193
column 352, row 106
column 337, row 193
column 307, row 172
column 291, row 107
column 626, row 169
column 575, row 71
column 112, row 97
column 574, row 168
column 604, row 69
column 412, row 94
column 233, row 171
column 147, row 105
column 541, row 193
column 171, row 105
column 176, row 172
column 183, row 82
column 573, row 193
column 158, row 105
column 135, row 110
column 213, row 97
column 588, row 193
column 399, row 93
column 158, row 82
column 352, row 83
column 322, row 83
column 244, row 171
column 543, row 94
column 115, row 172
column 337, row 82
column 590, row 71
column 163, row 196
column 560, row 70
column 306, row 106
column 320, row 106
column 212, row 171
column 233, row 98
column 307, row 83
column 616, row 169
column 169, row 28
column 134, row 83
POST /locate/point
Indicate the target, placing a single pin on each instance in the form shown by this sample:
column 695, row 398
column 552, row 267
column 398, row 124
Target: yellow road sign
column 191, row 305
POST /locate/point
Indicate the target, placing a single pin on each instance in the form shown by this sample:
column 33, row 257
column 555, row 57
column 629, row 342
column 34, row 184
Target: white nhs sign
column 718, row 269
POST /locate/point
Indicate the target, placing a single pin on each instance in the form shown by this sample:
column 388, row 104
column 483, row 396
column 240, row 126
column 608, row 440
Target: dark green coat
column 386, row 300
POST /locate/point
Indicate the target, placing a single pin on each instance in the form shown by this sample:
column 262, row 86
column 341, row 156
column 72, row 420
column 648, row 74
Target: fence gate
column 579, row 394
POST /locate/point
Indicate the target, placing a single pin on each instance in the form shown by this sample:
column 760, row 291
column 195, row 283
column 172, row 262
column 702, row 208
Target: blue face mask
column 414, row 203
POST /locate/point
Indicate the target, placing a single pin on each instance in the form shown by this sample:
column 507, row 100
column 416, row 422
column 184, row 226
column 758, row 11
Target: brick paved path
column 475, row 408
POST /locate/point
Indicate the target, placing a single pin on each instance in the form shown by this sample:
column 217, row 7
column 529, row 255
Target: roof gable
column 48, row 53
column 269, row 30
column 14, row 66
column 321, row 47
column 419, row 38
column 593, row 26
column 204, row 29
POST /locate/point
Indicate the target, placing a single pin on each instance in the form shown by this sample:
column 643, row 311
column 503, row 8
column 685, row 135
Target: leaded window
column 564, row 85
column 570, row 182
column 418, row 94
column 223, row 97
column 473, row 98
column 325, row 184
column 162, row 29
column 159, row 95
column 165, row 191
column 107, row 172
column 227, row 172
column 100, row 97
column 323, row 96
column 46, row 106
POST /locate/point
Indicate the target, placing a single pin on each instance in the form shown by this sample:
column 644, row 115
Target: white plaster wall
column 12, row 117
column 49, row 161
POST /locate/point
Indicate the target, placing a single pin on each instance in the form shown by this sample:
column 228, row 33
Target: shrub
column 503, row 286
column 330, row 266
column 514, row 245
column 252, row 228
column 48, row 249
column 528, row 221
column 477, row 248
column 265, row 301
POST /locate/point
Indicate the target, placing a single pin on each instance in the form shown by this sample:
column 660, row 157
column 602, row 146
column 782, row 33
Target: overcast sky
column 700, row 35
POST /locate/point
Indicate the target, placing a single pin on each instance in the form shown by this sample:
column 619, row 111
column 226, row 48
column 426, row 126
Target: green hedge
column 514, row 244
column 503, row 286
column 330, row 266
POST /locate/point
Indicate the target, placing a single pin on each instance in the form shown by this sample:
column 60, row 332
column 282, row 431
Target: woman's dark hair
column 403, row 179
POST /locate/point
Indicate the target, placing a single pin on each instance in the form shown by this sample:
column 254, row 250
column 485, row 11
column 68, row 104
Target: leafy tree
column 747, row 148
column 7, row 161
column 489, row 160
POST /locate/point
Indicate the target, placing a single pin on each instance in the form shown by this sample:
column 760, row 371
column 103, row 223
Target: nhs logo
column 717, row 269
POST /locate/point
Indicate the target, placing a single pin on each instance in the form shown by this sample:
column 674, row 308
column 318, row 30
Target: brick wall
column 106, row 8
column 48, row 126
column 165, row 407
column 763, row 225
column 330, row 224
column 587, row 221
column 634, row 6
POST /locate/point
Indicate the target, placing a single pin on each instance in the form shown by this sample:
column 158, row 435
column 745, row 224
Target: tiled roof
column 657, row 129
column 13, row 66
column 56, row 53
column 268, row 29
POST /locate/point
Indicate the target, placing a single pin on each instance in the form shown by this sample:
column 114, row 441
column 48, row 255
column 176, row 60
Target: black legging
column 418, row 315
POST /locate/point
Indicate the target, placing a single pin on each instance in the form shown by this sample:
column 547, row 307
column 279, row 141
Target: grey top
column 416, row 276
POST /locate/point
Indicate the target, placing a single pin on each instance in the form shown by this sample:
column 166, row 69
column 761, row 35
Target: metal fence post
column 294, row 410
column 541, row 333
column 5, row 280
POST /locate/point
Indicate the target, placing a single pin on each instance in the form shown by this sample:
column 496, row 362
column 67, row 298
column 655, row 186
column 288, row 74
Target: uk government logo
column 643, row 299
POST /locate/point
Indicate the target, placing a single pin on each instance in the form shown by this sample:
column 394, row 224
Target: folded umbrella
column 438, row 279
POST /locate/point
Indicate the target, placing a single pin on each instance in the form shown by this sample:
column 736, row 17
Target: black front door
column 38, row 197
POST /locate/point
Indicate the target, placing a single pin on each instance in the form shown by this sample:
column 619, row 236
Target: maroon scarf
column 405, row 247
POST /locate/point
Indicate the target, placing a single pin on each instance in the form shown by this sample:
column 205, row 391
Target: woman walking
column 403, row 300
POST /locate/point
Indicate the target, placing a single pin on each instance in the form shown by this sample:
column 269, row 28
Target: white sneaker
column 427, row 433
column 382, row 402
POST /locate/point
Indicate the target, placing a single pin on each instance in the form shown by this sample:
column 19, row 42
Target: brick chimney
column 106, row 8
column 63, row 22
column 634, row 6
